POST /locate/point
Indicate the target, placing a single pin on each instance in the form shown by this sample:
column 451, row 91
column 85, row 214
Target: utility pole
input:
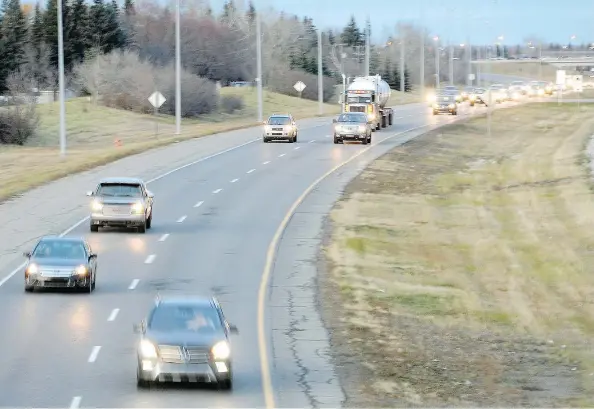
column 437, row 52
column 367, row 50
column 259, row 63
column 422, row 73
column 177, row 70
column 320, row 75
column 451, row 64
column 61, row 81
column 469, row 51
column 402, row 83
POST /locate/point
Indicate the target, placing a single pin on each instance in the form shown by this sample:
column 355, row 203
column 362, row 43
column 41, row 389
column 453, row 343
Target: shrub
column 18, row 119
column 121, row 79
column 283, row 82
column 231, row 103
column 199, row 95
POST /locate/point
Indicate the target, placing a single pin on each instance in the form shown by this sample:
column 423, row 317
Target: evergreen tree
column 128, row 28
column 114, row 35
column 77, row 29
column 407, row 83
column 251, row 12
column 505, row 52
column 36, row 33
column 498, row 52
column 331, row 38
column 129, row 9
column 13, row 32
column 351, row 35
column 50, row 24
column 97, row 23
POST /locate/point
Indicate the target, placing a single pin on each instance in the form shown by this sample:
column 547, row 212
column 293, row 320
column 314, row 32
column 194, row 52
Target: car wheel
column 149, row 221
column 265, row 140
column 29, row 288
column 364, row 141
column 94, row 228
column 94, row 281
column 226, row 385
column 142, row 228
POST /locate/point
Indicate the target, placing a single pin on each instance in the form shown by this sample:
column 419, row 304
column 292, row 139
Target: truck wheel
column 364, row 141
column 94, row 228
column 265, row 140
column 384, row 121
column 378, row 126
column 390, row 119
column 472, row 104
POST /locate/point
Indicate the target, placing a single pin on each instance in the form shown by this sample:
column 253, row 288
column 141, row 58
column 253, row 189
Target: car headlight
column 81, row 270
column 221, row 350
column 362, row 128
column 96, row 206
column 147, row 349
column 435, row 106
column 137, row 207
column 32, row 269
column 451, row 106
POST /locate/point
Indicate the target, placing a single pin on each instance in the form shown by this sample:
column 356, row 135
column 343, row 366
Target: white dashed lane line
column 281, row 155
column 266, row 163
column 250, row 171
column 133, row 284
column 113, row 314
column 198, row 204
column 216, row 191
column 312, row 141
column 234, row 180
column 181, row 219
column 94, row 354
column 150, row 259
column 297, row 147
column 164, row 237
column 75, row 403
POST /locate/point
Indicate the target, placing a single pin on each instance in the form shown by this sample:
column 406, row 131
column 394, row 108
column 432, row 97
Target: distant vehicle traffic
column 121, row 202
column 61, row 262
column 452, row 90
column 523, row 86
column 445, row 104
column 280, row 127
column 535, row 90
column 466, row 93
column 370, row 95
column 352, row 126
column 498, row 93
column 479, row 96
column 185, row 339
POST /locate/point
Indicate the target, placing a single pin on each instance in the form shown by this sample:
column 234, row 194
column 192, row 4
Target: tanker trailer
column 370, row 95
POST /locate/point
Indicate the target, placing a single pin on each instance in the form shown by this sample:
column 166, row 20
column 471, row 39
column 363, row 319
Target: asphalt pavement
column 212, row 228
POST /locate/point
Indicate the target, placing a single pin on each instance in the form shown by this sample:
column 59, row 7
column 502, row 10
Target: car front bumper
column 100, row 219
column 45, row 281
column 279, row 135
column 444, row 110
column 156, row 371
column 351, row 136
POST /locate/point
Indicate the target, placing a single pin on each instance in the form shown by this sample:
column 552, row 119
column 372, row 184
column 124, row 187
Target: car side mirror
column 138, row 328
column 264, row 122
column 150, row 194
column 27, row 254
column 89, row 193
column 334, row 121
column 92, row 255
column 233, row 329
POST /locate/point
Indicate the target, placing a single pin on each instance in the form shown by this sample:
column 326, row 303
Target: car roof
column 195, row 301
column 65, row 239
column 280, row 116
column 121, row 179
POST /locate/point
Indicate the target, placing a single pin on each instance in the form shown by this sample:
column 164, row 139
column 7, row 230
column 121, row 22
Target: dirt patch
column 458, row 267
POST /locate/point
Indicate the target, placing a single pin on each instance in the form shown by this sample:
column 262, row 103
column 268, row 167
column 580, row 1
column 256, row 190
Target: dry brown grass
column 464, row 267
column 92, row 131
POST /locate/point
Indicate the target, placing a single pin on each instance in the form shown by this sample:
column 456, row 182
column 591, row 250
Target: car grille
column 49, row 271
column 116, row 209
column 277, row 129
column 357, row 109
column 173, row 354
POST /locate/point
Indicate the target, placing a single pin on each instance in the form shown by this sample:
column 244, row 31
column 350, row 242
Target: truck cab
column 370, row 96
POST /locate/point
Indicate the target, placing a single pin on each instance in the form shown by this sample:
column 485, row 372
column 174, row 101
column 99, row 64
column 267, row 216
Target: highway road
column 213, row 225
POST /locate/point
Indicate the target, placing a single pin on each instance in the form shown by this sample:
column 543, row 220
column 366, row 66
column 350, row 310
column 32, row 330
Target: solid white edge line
column 133, row 284
column 94, row 354
column 181, row 219
column 113, row 314
column 164, row 237
column 150, row 259
column 199, row 203
column 75, row 402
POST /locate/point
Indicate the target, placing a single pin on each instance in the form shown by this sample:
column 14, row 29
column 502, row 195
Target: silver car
column 121, row 202
column 280, row 127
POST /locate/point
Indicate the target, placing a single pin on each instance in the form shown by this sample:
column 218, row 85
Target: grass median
column 520, row 68
column 459, row 267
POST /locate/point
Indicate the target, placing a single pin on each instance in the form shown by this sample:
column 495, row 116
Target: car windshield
column 279, row 120
column 119, row 190
column 68, row 249
column 185, row 318
column 444, row 98
column 352, row 118
column 518, row 83
column 479, row 90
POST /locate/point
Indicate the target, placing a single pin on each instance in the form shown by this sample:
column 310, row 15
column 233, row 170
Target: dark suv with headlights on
column 185, row 339
column 445, row 103
column 352, row 126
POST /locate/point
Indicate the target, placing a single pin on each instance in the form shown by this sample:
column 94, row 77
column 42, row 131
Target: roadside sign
column 299, row 86
column 157, row 99
column 560, row 77
column 471, row 77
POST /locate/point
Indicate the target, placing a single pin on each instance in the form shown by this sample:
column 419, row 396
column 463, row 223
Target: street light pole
column 469, row 51
column 422, row 73
column 437, row 52
column 367, row 50
column 451, row 64
column 259, row 64
column 402, row 68
column 177, row 70
column 320, row 75
column 61, row 81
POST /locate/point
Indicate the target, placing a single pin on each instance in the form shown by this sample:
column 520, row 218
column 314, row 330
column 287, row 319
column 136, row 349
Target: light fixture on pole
column 451, row 47
column 177, row 70
column 437, row 52
column 320, row 75
column 61, row 81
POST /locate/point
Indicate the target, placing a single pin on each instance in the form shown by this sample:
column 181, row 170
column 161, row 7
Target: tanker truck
column 370, row 95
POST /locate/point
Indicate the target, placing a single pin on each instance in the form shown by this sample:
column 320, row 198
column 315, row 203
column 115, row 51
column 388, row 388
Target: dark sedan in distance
column 445, row 103
column 185, row 339
column 61, row 262
column 352, row 126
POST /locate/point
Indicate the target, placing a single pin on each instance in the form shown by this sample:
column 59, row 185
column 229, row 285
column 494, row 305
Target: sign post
column 471, row 78
column 156, row 99
column 299, row 87
column 560, row 84
column 578, row 86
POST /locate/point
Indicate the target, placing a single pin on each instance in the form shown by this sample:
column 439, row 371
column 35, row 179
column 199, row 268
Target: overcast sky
column 482, row 20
